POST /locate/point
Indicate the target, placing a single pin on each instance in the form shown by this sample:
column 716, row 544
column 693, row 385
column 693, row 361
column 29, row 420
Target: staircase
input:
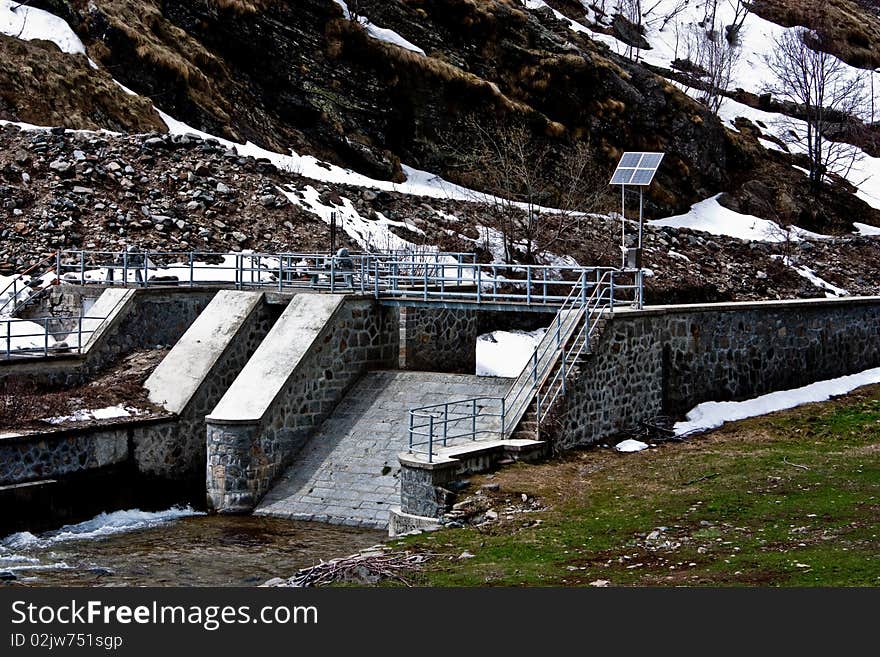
column 548, row 397
column 538, row 392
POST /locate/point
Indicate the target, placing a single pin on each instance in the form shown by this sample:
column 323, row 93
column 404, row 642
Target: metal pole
column 46, row 336
column 430, row 439
column 503, row 417
column 58, row 265
column 473, row 419
column 623, row 225
column 411, row 418
column 445, row 422
column 8, row 338
column 332, row 233
column 529, row 286
column 641, row 216
column 82, row 267
column 191, row 272
column 146, row 268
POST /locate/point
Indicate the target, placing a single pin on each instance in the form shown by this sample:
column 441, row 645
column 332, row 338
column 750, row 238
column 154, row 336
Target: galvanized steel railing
column 17, row 339
column 426, row 277
column 540, row 382
column 441, row 424
column 14, row 289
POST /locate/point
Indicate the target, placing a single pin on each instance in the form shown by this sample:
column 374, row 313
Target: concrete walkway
column 348, row 472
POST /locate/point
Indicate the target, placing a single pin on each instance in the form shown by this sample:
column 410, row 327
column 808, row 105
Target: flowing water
column 177, row 547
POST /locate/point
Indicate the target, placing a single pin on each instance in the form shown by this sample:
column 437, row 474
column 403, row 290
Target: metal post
column 641, row 216
column 479, row 284
column 146, row 268
column 535, row 365
column 562, row 360
column 58, row 265
column 411, row 418
column 82, row 267
column 503, row 417
column 376, row 278
column 191, row 272
column 46, row 336
column 332, row 273
column 529, row 286
column 79, row 332
column 332, row 233
column 430, row 438
column 583, row 284
column 425, row 291
column 623, row 225
column 473, row 419
column 445, row 422
column 8, row 338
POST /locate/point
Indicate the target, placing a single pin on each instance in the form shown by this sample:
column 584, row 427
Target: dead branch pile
column 367, row 568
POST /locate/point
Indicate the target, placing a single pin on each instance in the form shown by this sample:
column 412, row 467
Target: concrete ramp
column 319, row 347
column 177, row 379
column 348, row 471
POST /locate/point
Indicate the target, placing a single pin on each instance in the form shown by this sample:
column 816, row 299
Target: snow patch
column 506, row 353
column 380, row 33
column 711, row 217
column 866, row 230
column 85, row 415
column 28, row 24
column 630, row 446
column 712, row 415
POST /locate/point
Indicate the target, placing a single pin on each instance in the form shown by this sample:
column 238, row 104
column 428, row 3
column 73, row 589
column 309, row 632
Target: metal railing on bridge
column 426, row 277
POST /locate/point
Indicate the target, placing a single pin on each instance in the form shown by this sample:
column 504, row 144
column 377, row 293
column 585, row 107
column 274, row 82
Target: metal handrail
column 437, row 419
column 7, row 337
column 562, row 343
column 432, row 277
column 13, row 298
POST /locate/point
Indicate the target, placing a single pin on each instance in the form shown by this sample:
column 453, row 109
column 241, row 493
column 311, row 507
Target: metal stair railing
column 594, row 312
column 18, row 286
column 577, row 312
column 563, row 344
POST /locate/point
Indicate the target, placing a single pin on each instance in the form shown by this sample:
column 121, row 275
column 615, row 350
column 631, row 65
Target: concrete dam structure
column 351, row 407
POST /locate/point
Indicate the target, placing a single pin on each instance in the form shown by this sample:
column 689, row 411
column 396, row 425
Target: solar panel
column 622, row 176
column 637, row 169
column 630, row 160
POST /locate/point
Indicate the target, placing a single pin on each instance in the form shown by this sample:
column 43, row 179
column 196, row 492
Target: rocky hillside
column 383, row 88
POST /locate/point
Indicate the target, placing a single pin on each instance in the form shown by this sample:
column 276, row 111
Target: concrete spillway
column 348, row 471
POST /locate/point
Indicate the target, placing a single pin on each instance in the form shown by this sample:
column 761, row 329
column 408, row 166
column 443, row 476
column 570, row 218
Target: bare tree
column 826, row 96
column 523, row 172
column 713, row 60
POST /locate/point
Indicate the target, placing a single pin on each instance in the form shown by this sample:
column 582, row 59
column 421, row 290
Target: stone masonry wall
column 182, row 452
column 438, row 340
column 666, row 361
column 59, row 452
column 244, row 459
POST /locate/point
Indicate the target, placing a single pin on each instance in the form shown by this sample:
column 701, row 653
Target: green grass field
column 790, row 499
